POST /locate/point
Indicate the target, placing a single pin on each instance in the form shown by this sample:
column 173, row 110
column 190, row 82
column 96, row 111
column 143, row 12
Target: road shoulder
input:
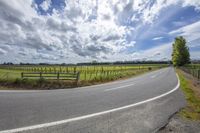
column 187, row 120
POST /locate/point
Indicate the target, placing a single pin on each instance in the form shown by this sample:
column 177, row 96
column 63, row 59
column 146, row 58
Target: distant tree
column 94, row 62
column 180, row 53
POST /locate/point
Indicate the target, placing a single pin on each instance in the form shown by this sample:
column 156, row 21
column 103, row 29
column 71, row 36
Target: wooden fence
column 194, row 72
column 57, row 76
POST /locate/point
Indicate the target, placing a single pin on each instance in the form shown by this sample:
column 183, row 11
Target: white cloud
column 157, row 53
column 72, row 30
column 83, row 31
column 2, row 51
column 46, row 4
column 191, row 32
column 157, row 38
column 45, row 56
column 132, row 43
column 151, row 13
column 150, row 10
column 162, row 52
column 195, row 3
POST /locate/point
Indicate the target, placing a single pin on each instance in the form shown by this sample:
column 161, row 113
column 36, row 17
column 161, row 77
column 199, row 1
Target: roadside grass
column 35, row 84
column 5, row 88
column 192, row 110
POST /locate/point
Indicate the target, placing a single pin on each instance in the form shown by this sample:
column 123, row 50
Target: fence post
column 60, row 69
column 40, row 75
column 75, row 69
column 196, row 73
column 85, row 75
column 58, row 75
column 77, row 78
column 90, row 76
column 22, row 75
column 193, row 73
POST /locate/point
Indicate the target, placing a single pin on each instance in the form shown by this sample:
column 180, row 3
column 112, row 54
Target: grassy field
column 192, row 110
column 88, row 74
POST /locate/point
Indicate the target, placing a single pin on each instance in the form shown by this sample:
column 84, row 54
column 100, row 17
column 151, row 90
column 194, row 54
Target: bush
column 41, row 81
column 18, row 81
column 149, row 68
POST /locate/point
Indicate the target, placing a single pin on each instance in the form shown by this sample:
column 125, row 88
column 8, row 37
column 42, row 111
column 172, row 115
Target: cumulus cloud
column 82, row 30
column 149, row 10
column 191, row 32
column 162, row 52
column 2, row 51
column 158, row 53
column 46, row 4
column 44, row 56
column 195, row 3
column 6, row 47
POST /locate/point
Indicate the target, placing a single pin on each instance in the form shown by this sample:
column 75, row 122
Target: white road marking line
column 89, row 115
column 154, row 76
column 119, row 87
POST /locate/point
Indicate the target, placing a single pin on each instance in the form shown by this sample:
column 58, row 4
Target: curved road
column 26, row 108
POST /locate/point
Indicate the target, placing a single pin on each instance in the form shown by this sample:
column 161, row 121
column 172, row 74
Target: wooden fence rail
column 194, row 72
column 57, row 76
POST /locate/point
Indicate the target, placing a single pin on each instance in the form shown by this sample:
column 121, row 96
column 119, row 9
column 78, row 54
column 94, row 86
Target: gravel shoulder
column 178, row 124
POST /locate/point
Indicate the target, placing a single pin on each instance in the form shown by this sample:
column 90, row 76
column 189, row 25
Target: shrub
column 41, row 81
column 149, row 68
column 18, row 81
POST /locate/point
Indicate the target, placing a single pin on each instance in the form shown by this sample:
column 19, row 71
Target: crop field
column 87, row 74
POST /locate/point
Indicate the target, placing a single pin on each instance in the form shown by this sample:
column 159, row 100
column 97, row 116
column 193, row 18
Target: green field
column 88, row 74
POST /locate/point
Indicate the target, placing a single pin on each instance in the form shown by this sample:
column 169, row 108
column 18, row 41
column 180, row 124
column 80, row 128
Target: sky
column 72, row 31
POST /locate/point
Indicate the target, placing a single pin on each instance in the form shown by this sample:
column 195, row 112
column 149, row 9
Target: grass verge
column 192, row 110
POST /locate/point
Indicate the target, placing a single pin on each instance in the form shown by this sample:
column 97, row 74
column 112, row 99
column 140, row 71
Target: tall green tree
column 180, row 52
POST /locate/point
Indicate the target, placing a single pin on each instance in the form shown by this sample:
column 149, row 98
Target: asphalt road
column 26, row 108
